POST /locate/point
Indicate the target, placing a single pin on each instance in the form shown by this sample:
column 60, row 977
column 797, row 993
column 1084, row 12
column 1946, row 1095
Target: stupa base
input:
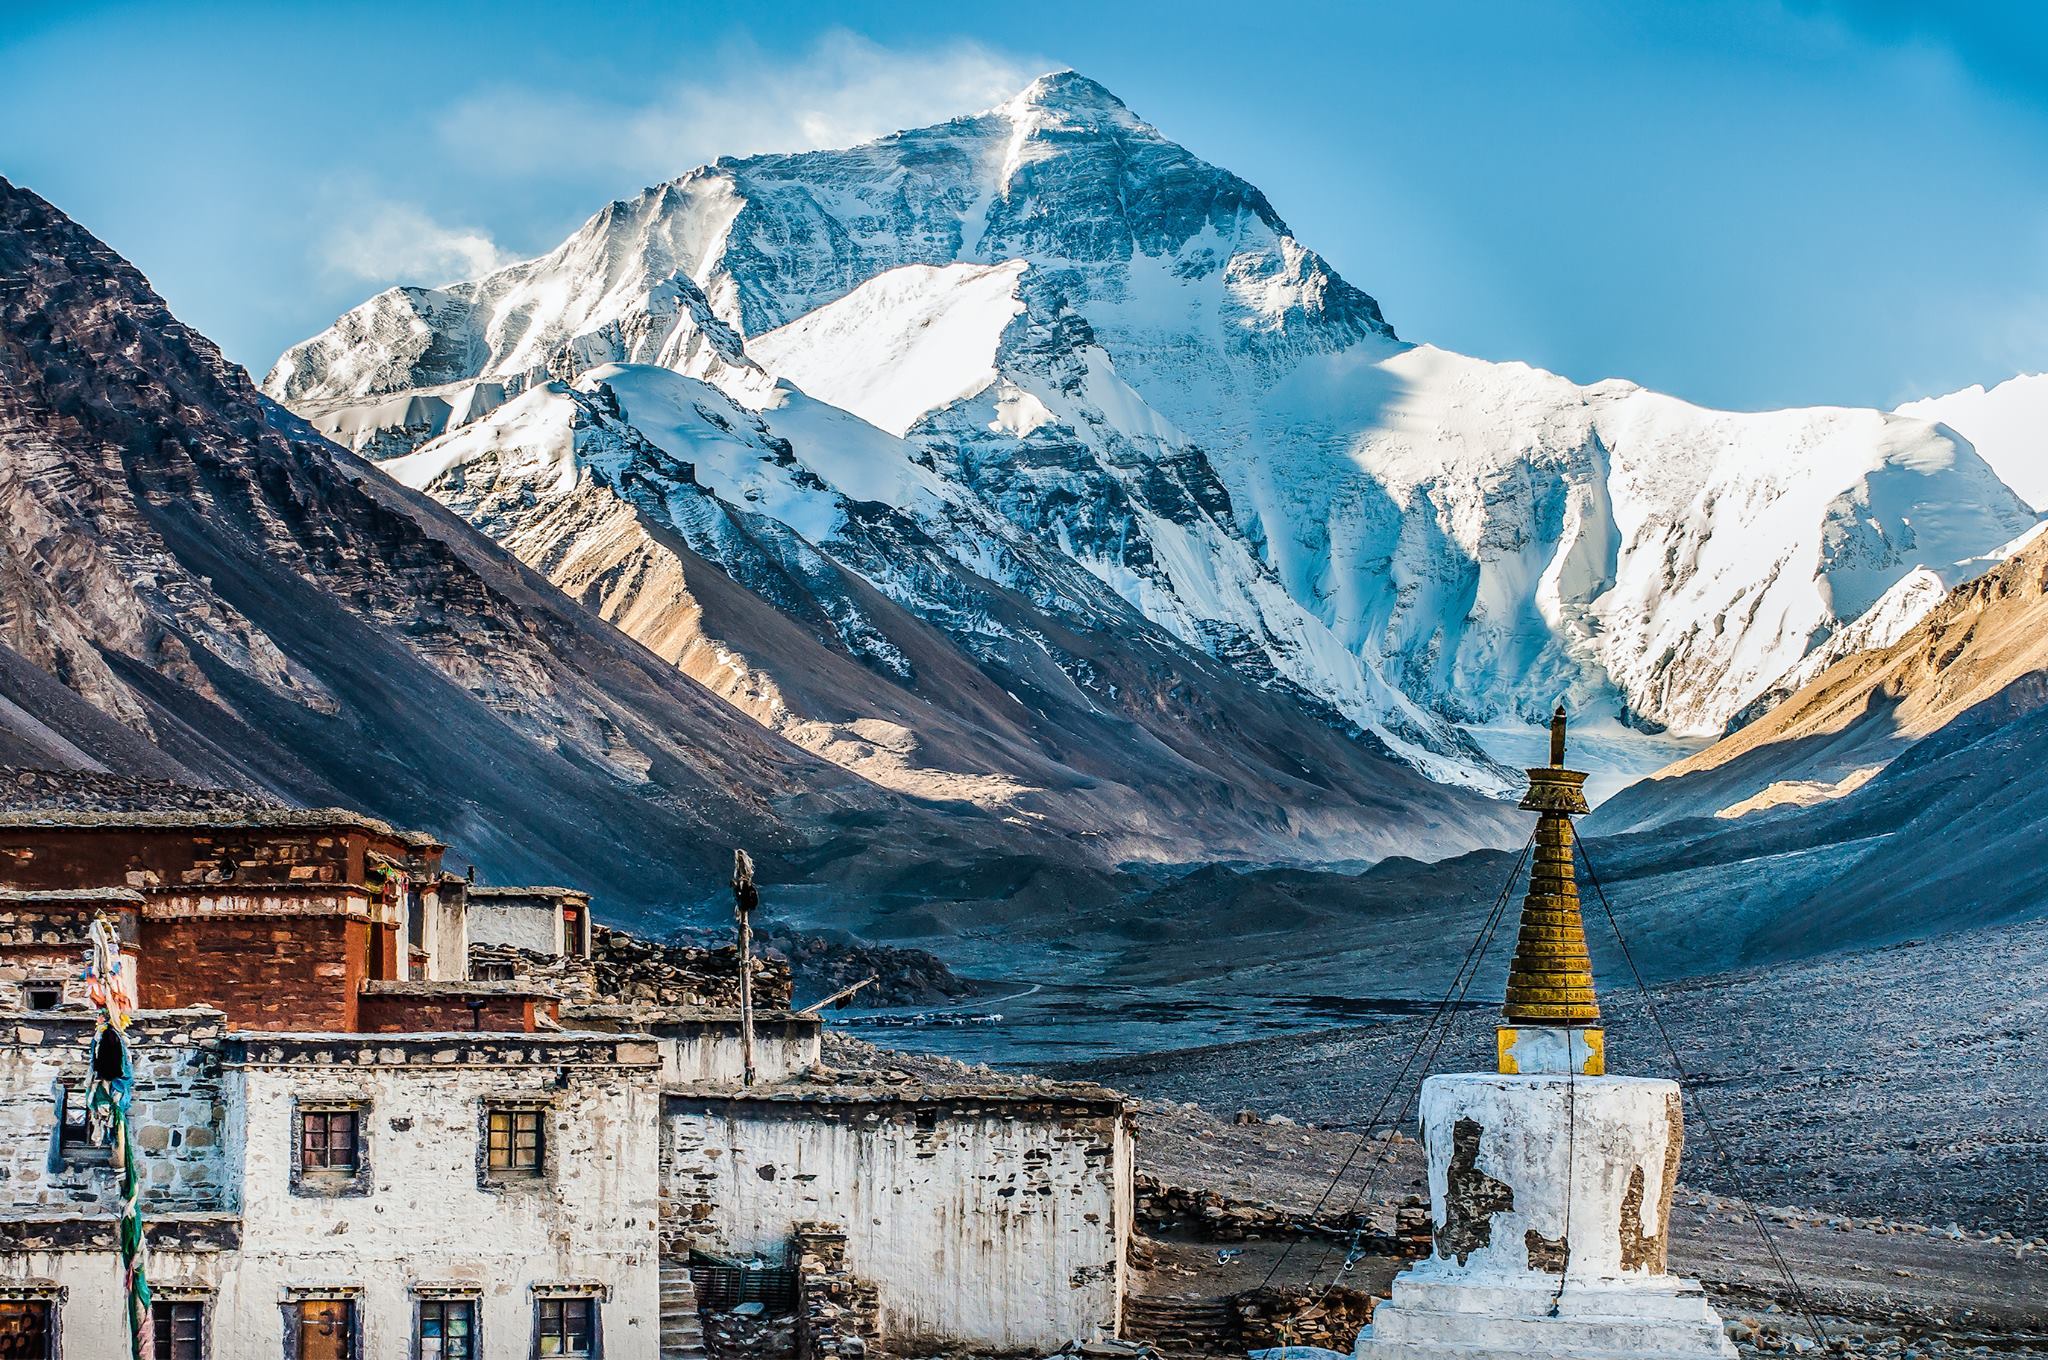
column 1660, row 1318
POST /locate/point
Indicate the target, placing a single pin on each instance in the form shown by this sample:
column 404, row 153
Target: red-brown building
column 290, row 919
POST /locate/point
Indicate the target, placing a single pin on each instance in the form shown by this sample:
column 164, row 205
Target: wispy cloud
column 383, row 241
column 846, row 89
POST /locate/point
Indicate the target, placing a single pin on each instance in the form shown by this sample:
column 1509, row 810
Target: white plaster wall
column 92, row 1318
column 716, row 1057
column 426, row 1220
column 538, row 927
column 992, row 1231
column 1567, row 1148
column 447, row 936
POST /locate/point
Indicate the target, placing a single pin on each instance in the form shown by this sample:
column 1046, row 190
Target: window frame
column 172, row 1298
column 591, row 1297
column 79, row 1154
column 293, row 1304
column 324, row 1182
column 542, row 1173
column 51, row 1299
column 425, row 1297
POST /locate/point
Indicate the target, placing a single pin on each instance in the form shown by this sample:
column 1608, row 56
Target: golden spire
column 1550, row 983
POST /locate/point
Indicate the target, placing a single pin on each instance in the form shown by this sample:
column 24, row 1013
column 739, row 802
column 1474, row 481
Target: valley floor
column 1909, row 1082
column 1900, row 1094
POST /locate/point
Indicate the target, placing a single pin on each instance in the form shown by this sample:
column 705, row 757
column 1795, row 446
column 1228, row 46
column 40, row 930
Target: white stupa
column 1550, row 1182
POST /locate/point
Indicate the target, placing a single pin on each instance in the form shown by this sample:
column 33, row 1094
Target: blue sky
column 1749, row 203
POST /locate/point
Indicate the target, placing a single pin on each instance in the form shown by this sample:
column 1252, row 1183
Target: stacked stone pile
column 31, row 790
column 1400, row 1229
column 1299, row 1317
column 636, row 972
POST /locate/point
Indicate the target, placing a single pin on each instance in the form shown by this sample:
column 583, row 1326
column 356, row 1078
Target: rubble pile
column 822, row 963
column 636, row 972
column 1401, row 1229
column 30, row 790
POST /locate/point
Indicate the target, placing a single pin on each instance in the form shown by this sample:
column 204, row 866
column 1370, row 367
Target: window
column 565, row 1326
column 179, row 1328
column 75, row 1139
column 515, row 1143
column 447, row 1329
column 42, row 996
column 26, row 1333
column 327, row 1142
column 326, row 1329
column 331, row 1148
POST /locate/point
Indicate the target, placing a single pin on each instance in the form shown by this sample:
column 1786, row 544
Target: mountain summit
column 1121, row 352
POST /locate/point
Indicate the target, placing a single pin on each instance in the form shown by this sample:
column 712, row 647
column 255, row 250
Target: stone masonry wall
column 177, row 1116
column 838, row 1315
column 265, row 972
column 982, row 1223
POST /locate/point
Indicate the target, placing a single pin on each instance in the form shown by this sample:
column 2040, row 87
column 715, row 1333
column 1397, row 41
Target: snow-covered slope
column 1971, row 665
column 1123, row 353
column 803, row 565
column 2007, row 425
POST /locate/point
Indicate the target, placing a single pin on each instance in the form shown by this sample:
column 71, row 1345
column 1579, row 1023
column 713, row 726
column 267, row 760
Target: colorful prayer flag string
column 108, row 1096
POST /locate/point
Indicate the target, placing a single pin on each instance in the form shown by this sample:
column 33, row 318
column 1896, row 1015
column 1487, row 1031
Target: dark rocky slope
column 239, row 602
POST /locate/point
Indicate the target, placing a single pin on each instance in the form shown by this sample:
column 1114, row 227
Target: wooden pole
column 744, row 899
column 840, row 995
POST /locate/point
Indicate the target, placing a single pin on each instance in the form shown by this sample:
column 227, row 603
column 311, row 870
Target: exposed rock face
column 251, row 606
column 1898, row 794
column 1125, row 353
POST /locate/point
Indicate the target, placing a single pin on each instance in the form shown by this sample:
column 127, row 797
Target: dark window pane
column 177, row 1327
column 24, row 1329
column 327, row 1140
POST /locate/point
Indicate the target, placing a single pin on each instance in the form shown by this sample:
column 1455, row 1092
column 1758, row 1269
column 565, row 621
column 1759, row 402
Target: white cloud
column 846, row 89
column 382, row 241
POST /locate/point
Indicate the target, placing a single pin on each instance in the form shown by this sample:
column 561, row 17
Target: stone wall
column 571, row 979
column 86, row 850
column 983, row 1221
column 435, row 1007
column 264, row 972
column 838, row 1314
column 45, row 936
column 177, row 1116
column 1401, row 1229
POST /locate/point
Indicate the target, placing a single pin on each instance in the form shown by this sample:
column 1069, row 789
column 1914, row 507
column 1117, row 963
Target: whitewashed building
column 479, row 1169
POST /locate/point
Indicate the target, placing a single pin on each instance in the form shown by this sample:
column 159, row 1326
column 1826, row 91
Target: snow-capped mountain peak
column 1122, row 353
